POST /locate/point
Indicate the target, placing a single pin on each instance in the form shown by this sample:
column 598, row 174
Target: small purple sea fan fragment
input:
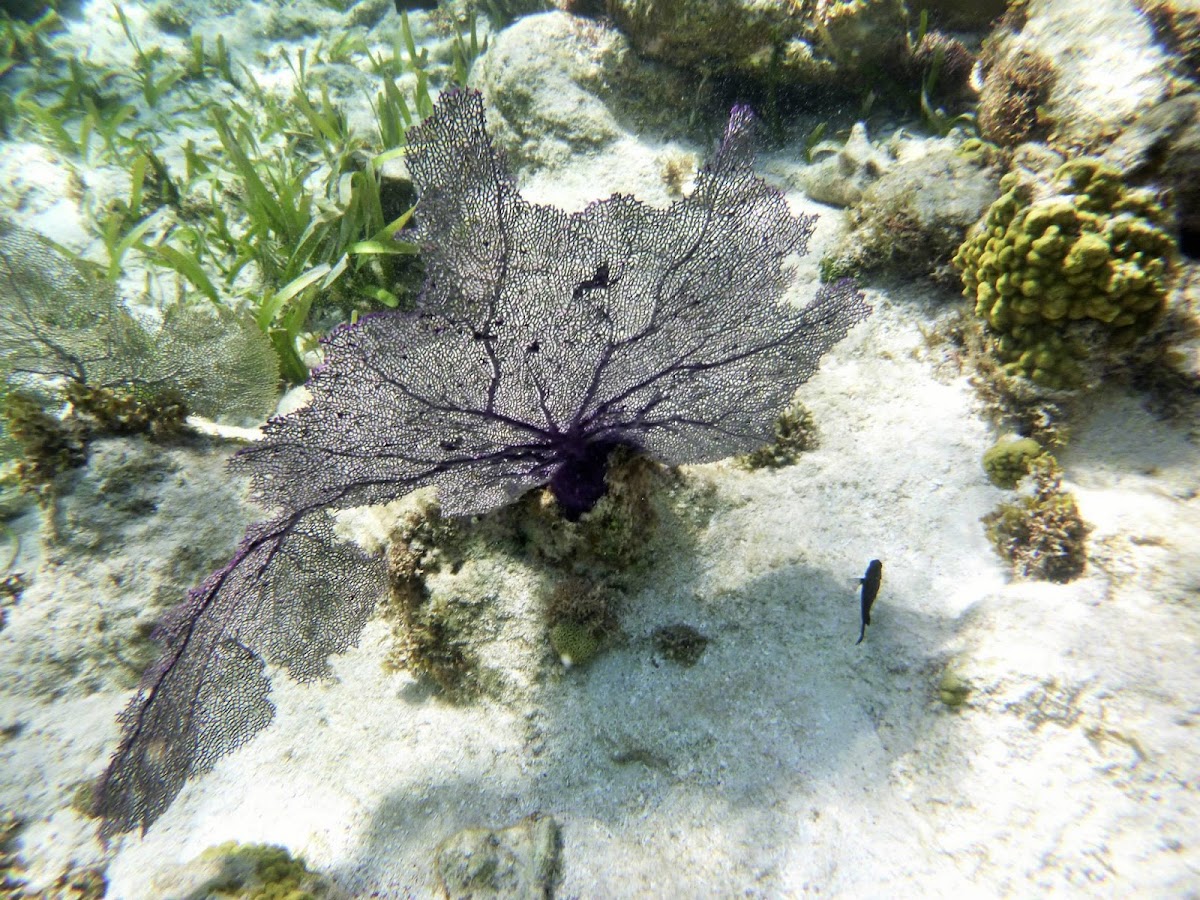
column 541, row 342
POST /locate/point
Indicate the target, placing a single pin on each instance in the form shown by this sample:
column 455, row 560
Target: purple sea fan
column 542, row 341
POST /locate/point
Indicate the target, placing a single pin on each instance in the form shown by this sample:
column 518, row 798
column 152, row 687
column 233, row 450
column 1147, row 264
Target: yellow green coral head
column 1008, row 461
column 574, row 643
column 1058, row 275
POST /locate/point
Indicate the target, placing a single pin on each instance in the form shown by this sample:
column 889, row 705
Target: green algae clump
column 261, row 872
column 795, row 432
column 48, row 446
column 433, row 632
column 680, row 643
column 953, row 690
column 1059, row 278
column 1042, row 536
column 582, row 616
column 1007, row 462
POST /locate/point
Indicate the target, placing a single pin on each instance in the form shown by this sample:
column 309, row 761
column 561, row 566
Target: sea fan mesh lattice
column 541, row 342
column 59, row 319
column 543, row 334
column 291, row 595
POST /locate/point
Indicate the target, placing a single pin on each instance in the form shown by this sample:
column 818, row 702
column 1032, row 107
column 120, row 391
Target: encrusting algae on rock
column 1042, row 535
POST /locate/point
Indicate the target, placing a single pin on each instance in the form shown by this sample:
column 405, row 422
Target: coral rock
column 1060, row 277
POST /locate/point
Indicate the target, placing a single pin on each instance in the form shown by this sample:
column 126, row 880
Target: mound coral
column 1058, row 278
column 1007, row 462
column 574, row 643
column 822, row 43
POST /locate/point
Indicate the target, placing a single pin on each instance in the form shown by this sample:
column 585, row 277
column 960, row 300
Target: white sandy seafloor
column 788, row 761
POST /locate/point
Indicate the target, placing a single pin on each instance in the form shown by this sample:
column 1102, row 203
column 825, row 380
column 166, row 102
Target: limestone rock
column 912, row 219
column 1163, row 147
column 141, row 526
column 963, row 14
column 840, row 178
column 801, row 43
column 560, row 85
column 1178, row 25
column 514, row 863
column 1106, row 64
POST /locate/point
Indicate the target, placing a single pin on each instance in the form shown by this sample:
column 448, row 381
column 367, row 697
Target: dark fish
column 404, row 5
column 870, row 587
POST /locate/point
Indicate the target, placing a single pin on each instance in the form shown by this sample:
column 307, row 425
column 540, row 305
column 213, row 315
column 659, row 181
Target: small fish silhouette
column 870, row 587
